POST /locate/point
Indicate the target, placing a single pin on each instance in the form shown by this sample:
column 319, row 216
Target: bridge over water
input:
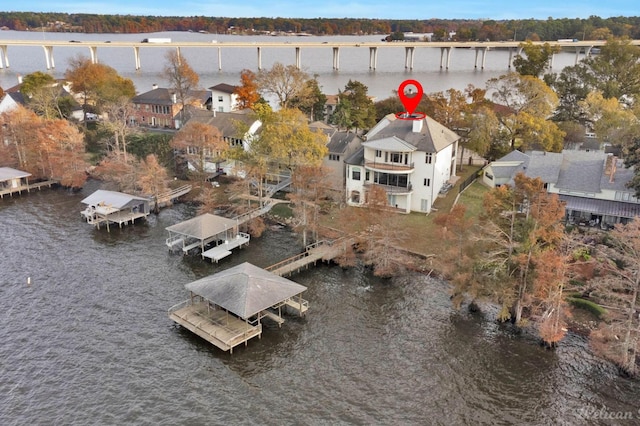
column 446, row 49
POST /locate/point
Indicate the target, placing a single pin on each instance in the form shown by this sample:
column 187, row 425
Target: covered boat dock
column 227, row 308
column 114, row 207
column 205, row 230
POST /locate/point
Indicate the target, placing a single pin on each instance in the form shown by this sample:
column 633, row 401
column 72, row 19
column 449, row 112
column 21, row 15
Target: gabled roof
column 340, row 141
column 431, row 137
column 164, row 96
column 226, row 122
column 113, row 199
column 223, row 87
column 323, row 127
column 569, row 170
column 7, row 173
column 245, row 290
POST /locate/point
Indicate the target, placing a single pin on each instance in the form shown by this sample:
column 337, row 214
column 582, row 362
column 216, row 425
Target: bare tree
column 182, row 78
column 285, row 83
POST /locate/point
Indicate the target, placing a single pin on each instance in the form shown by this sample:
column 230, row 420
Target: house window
column 396, row 157
column 488, row 175
column 220, row 99
column 334, row 157
column 355, row 175
column 428, row 158
column 220, row 109
column 378, row 153
column 427, row 182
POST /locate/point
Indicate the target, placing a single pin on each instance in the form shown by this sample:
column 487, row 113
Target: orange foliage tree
column 199, row 144
column 247, row 92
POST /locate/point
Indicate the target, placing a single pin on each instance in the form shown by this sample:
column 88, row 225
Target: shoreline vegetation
column 508, row 246
column 592, row 28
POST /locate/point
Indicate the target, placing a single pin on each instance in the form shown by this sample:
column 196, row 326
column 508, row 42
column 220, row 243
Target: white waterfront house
column 411, row 159
column 223, row 98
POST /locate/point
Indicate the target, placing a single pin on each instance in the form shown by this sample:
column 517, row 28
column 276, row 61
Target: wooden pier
column 27, row 188
column 322, row 250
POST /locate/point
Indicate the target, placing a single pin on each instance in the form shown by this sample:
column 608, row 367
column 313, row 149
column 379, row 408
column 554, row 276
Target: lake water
column 354, row 62
column 89, row 341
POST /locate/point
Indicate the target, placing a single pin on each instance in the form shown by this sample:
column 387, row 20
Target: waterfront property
column 412, row 160
column 160, row 107
column 223, row 98
column 227, row 308
column 593, row 184
column 114, row 207
column 205, row 230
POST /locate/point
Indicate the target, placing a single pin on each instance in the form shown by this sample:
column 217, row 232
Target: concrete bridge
column 446, row 48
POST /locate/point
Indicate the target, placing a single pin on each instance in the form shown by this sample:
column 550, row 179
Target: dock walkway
column 322, row 250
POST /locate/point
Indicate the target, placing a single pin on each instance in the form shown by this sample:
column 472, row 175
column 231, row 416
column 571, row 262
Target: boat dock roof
column 246, row 293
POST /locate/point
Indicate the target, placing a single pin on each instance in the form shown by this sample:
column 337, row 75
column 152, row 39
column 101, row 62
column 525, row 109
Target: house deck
column 214, row 324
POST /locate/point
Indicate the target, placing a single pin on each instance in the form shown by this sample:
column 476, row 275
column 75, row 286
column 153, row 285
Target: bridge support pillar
column 179, row 57
column 48, row 57
column 219, row 59
column 482, row 50
column 4, row 57
column 577, row 55
column 445, row 57
column 136, row 57
column 408, row 57
column 93, row 52
column 336, row 58
column 373, row 58
column 259, row 58
column 298, row 61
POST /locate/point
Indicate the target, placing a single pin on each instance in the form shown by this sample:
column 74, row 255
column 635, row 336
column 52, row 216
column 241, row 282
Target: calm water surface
column 90, row 342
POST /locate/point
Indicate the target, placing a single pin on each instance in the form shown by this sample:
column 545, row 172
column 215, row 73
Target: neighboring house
column 222, row 97
column 330, row 106
column 14, row 97
column 160, row 107
column 230, row 124
column 341, row 146
column 411, row 159
column 11, row 101
column 593, row 184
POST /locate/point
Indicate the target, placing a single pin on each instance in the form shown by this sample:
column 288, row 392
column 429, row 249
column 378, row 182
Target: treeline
column 549, row 29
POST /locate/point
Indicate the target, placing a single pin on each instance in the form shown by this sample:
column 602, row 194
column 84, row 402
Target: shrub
column 587, row 305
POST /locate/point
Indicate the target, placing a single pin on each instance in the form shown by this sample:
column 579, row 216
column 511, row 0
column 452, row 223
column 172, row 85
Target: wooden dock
column 27, row 188
column 223, row 250
column 215, row 325
column 322, row 250
column 167, row 198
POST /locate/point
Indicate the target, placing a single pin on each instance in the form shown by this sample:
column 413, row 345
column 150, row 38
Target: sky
column 372, row 9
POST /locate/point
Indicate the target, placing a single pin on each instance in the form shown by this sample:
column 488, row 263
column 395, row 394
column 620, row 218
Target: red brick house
column 161, row 108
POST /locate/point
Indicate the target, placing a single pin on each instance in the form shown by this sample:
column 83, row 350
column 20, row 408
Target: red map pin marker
column 410, row 103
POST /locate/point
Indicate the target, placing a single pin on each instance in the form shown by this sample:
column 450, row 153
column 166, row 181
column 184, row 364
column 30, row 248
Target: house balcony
column 391, row 189
column 389, row 167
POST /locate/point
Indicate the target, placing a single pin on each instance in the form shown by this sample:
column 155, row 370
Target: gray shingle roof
column 164, row 96
column 245, row 289
column 340, row 141
column 432, row 137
